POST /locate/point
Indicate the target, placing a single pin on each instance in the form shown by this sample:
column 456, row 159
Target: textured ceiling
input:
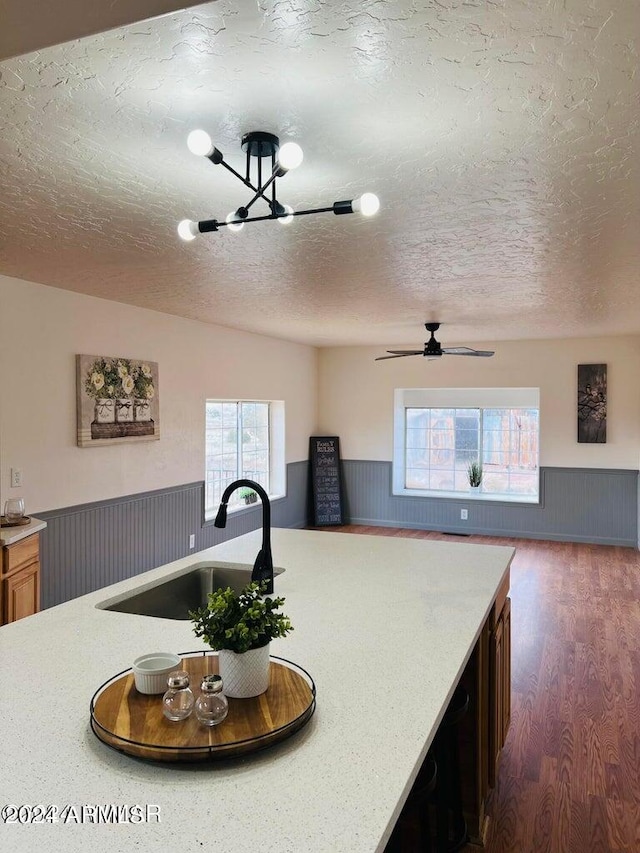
column 502, row 138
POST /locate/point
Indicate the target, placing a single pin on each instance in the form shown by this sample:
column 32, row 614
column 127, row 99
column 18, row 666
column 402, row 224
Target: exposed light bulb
column 188, row 230
column 368, row 204
column 290, row 156
column 285, row 220
column 199, row 142
column 234, row 222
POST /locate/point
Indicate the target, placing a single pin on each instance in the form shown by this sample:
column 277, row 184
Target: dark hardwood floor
column 568, row 779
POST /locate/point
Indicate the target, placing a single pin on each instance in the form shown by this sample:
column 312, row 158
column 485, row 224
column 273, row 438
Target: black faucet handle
column 221, row 517
column 263, row 571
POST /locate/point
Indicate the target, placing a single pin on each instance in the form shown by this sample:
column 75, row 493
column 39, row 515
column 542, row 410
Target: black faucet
column 263, row 566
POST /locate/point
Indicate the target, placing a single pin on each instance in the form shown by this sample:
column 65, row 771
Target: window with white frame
column 438, row 432
column 244, row 439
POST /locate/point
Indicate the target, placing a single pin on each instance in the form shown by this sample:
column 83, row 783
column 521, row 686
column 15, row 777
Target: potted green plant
column 474, row 472
column 240, row 627
column 248, row 495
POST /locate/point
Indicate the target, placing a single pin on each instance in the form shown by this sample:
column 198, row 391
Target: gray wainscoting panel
column 578, row 505
column 90, row 546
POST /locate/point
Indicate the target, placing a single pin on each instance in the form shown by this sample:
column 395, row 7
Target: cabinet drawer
column 21, row 554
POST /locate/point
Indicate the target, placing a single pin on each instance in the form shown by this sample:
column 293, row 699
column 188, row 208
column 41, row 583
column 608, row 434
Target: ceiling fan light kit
column 259, row 145
column 433, row 349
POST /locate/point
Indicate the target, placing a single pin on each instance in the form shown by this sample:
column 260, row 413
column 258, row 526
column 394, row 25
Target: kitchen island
column 385, row 626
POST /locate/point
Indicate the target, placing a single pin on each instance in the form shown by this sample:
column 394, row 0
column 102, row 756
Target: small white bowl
column 150, row 671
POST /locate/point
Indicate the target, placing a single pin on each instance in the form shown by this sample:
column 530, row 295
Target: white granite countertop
column 385, row 627
column 9, row 535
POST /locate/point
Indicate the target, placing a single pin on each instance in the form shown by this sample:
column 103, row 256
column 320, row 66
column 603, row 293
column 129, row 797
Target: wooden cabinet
column 487, row 679
column 499, row 687
column 20, row 579
column 506, row 670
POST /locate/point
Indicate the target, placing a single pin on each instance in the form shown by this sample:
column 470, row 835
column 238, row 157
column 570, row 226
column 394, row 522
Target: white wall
column 41, row 331
column 356, row 394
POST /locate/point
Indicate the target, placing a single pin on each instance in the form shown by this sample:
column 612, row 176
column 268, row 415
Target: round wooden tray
column 133, row 723
column 24, row 520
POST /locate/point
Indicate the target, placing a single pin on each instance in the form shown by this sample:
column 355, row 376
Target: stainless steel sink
column 175, row 597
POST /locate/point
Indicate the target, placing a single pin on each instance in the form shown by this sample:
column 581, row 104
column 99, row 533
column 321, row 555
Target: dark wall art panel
column 592, row 403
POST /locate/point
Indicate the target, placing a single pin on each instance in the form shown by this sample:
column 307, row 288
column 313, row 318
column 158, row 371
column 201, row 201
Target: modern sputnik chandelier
column 259, row 145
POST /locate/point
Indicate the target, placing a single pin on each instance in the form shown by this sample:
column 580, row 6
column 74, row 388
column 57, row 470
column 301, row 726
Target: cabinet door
column 496, row 698
column 21, row 593
column 506, row 671
column 499, row 687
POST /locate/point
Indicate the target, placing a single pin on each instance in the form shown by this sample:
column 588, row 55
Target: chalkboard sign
column 326, row 483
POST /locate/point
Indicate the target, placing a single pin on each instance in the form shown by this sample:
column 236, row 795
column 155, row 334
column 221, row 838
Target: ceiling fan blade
column 482, row 353
column 398, row 355
column 432, row 349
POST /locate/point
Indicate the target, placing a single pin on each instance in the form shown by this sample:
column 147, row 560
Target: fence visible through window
column 237, row 446
column 216, row 482
column 440, row 443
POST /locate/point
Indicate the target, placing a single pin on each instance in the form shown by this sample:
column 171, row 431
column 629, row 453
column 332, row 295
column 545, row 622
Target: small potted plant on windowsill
column 474, row 472
column 248, row 495
column 240, row 627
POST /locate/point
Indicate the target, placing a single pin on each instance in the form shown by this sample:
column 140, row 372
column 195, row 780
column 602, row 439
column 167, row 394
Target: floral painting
column 117, row 400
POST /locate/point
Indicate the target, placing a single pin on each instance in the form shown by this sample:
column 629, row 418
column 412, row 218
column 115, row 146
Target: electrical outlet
column 464, row 514
column 192, row 540
column 16, row 478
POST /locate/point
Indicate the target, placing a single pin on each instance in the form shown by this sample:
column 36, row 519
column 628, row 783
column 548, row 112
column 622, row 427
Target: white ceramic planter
column 141, row 409
column 124, row 410
column 246, row 674
column 105, row 410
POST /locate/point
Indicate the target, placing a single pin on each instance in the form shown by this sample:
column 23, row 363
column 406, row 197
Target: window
column 244, row 439
column 438, row 432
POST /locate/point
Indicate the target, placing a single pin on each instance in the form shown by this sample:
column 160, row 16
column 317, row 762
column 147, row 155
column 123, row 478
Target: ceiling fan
column 432, row 348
